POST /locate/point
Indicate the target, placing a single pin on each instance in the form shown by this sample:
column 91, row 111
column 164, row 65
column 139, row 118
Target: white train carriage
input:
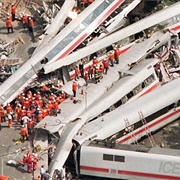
column 129, row 162
column 60, row 46
column 125, row 123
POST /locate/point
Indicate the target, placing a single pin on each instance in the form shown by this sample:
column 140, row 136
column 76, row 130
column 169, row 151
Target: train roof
column 134, row 148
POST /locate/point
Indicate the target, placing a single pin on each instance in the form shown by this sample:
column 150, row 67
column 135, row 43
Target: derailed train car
column 129, row 162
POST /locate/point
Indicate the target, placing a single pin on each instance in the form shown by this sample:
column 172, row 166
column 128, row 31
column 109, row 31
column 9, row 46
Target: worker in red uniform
column 13, row 12
column 111, row 57
column 90, row 71
column 9, row 110
column 101, row 70
column 24, row 20
column 30, row 163
column 86, row 78
column 0, row 123
column 76, row 69
column 18, row 112
column 24, row 133
column 117, row 54
column 95, row 61
column 38, row 178
column 31, row 26
column 35, row 161
column 2, row 113
column 74, row 88
column 26, row 103
column 40, row 116
column 9, row 116
column 9, row 25
column 30, row 126
column 106, row 65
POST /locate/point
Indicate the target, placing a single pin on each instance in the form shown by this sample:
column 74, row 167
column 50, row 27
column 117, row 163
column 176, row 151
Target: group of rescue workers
column 27, row 21
column 97, row 68
column 30, row 109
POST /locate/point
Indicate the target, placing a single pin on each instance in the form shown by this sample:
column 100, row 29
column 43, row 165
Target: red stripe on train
column 84, row 36
column 147, row 174
column 132, row 173
column 150, row 89
column 150, row 126
column 110, row 11
column 176, row 28
column 94, row 169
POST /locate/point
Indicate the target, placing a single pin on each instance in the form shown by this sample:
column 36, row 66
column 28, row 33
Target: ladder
column 148, row 132
column 128, row 128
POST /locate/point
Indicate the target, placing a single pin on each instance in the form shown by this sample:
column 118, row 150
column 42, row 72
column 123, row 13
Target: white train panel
column 161, row 101
column 126, row 164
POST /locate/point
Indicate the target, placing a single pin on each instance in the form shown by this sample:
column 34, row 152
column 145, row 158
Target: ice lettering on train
column 169, row 167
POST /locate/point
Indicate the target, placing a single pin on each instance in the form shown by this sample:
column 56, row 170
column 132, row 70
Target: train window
column 130, row 94
column 124, row 99
column 107, row 157
column 149, row 80
column 119, row 158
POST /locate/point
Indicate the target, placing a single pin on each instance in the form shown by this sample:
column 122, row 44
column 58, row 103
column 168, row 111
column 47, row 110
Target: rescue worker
column 30, row 163
column 13, row 12
column 0, row 123
column 30, row 126
column 90, row 71
column 117, row 54
column 24, row 20
column 2, row 113
column 9, row 110
column 96, row 75
column 111, row 58
column 45, row 90
column 9, row 25
column 86, row 78
column 95, row 61
column 24, row 133
column 31, row 26
column 74, row 88
column 81, row 68
column 101, row 70
column 35, row 161
column 106, row 65
column 9, row 116
column 18, row 112
column 38, row 178
column 76, row 69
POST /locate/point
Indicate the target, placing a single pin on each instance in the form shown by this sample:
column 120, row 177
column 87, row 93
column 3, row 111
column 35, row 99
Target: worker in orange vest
column 18, row 112
column 9, row 116
column 31, row 26
column 86, row 78
column 2, row 113
column 76, row 72
column 106, row 65
column 38, row 178
column 95, row 61
column 13, row 12
column 117, row 53
column 24, row 20
column 74, row 88
column 24, row 133
column 30, row 126
column 111, row 57
column 9, row 25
